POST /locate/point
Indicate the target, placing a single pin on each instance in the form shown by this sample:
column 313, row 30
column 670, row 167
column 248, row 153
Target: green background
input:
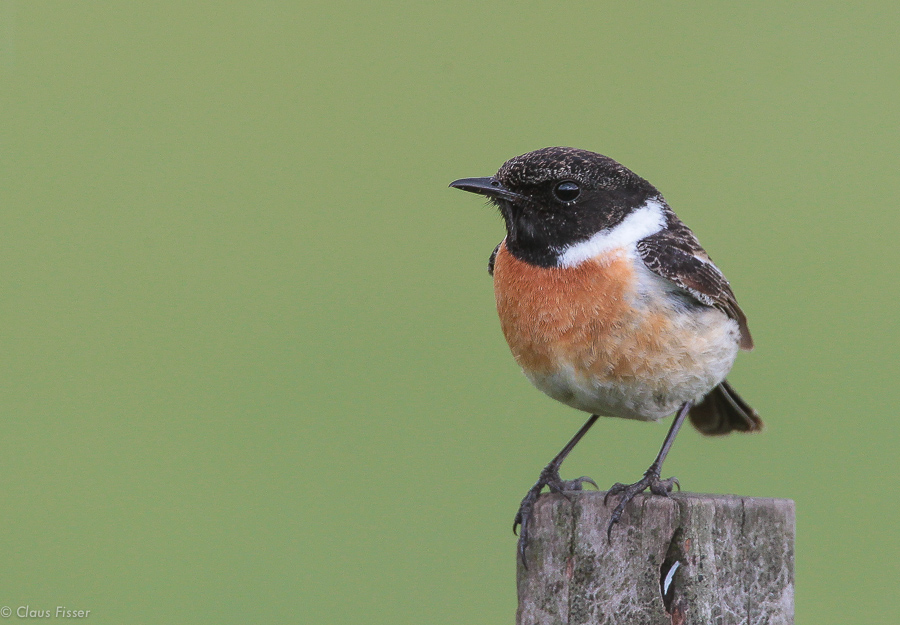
column 251, row 370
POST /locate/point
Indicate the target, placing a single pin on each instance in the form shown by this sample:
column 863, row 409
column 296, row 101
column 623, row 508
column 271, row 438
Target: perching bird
column 610, row 305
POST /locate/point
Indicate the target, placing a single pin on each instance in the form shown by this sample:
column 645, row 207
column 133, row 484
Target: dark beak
column 486, row 186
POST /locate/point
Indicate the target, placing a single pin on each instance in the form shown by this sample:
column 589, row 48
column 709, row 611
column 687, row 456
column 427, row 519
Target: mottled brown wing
column 675, row 254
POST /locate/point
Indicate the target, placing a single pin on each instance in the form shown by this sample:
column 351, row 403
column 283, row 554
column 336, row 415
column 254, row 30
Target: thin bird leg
column 550, row 477
column 651, row 476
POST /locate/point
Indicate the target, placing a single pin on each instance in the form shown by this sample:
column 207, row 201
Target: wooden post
column 688, row 559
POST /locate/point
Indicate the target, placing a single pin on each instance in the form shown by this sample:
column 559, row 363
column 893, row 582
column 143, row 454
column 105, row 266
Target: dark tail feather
column 723, row 411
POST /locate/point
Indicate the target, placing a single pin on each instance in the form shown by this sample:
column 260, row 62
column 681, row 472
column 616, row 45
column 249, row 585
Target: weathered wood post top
column 687, row 559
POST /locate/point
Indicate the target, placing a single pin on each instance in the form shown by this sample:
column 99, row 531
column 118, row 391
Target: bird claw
column 550, row 478
column 664, row 487
column 651, row 480
column 568, row 486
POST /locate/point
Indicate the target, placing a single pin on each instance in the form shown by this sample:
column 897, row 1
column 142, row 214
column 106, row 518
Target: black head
column 555, row 197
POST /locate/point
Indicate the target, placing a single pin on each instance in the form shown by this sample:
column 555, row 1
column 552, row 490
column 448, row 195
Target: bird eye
column 566, row 191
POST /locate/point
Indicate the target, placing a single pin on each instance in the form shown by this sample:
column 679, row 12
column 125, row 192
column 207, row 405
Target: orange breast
column 582, row 316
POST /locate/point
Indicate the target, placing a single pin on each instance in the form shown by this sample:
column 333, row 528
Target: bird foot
column 549, row 477
column 650, row 480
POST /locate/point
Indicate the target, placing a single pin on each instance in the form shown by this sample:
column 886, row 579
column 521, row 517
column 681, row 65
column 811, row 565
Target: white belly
column 702, row 351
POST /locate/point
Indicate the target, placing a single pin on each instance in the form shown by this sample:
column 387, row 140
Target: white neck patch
column 640, row 224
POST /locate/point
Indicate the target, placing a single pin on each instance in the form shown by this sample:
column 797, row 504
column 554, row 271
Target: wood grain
column 735, row 560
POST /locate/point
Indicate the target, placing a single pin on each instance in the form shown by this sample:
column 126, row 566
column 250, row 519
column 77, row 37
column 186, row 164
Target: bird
column 610, row 305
